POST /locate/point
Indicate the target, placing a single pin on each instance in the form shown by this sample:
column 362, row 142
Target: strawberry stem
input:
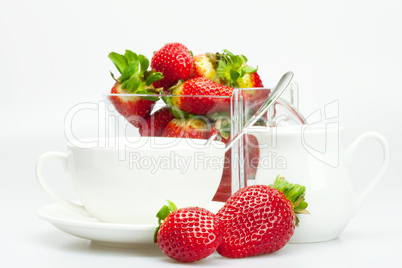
column 294, row 193
column 162, row 215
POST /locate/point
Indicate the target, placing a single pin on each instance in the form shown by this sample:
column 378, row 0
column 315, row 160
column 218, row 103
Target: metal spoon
column 275, row 94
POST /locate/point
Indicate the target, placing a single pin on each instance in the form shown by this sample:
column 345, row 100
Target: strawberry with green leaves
column 175, row 62
column 260, row 219
column 217, row 75
column 192, row 128
column 194, row 101
column 233, row 71
column 187, row 234
column 155, row 124
column 227, row 69
column 134, row 79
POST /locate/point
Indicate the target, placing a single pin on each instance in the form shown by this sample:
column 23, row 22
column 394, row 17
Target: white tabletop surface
column 373, row 237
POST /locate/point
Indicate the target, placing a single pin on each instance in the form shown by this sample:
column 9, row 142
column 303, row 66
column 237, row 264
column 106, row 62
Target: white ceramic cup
column 128, row 182
column 314, row 156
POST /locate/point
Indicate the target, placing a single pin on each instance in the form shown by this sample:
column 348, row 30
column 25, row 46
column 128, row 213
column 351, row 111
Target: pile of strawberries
column 196, row 91
column 256, row 220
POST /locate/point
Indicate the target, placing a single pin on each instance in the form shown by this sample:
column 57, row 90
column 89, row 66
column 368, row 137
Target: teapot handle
column 351, row 151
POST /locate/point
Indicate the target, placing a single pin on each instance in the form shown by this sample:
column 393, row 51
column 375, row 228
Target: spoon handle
column 275, row 94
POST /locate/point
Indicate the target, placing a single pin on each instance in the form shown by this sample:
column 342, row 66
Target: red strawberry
column 134, row 79
column 175, row 62
column 154, row 125
column 188, row 234
column 194, row 128
column 133, row 108
column 260, row 219
column 201, row 105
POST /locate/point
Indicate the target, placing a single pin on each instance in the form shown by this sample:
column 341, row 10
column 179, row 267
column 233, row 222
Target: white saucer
column 108, row 234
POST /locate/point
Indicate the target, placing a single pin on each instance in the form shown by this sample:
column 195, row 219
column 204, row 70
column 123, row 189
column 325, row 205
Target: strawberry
column 201, row 105
column 175, row 62
column 205, row 66
column 134, row 79
column 227, row 69
column 260, row 219
column 133, row 108
column 233, row 71
column 250, row 80
column 155, row 124
column 193, row 128
column 187, row 234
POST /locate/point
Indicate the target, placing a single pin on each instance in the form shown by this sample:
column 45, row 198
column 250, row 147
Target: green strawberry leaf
column 166, row 210
column 165, row 99
column 176, row 112
column 294, row 193
column 131, row 69
column 234, row 75
column 179, row 114
column 119, row 61
column 153, row 77
column 144, row 63
column 150, row 98
column 218, row 115
column 130, row 56
column 221, row 69
column 223, row 125
column 249, row 69
column 231, row 67
column 162, row 215
column 114, row 78
column 135, row 77
column 242, row 59
column 235, row 61
column 242, row 73
column 132, row 84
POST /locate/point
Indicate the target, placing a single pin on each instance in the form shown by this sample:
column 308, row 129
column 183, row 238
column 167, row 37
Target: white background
column 53, row 55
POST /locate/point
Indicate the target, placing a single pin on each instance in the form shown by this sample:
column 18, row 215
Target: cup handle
column 351, row 151
column 62, row 157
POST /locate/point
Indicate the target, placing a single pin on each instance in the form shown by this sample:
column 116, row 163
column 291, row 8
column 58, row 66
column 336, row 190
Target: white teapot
column 332, row 201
